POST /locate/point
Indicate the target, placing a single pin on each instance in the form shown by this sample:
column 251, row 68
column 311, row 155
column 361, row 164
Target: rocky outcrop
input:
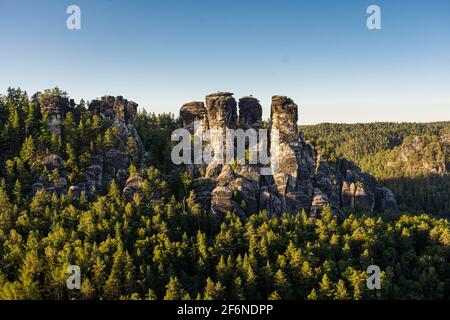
column 114, row 163
column 302, row 179
column 55, row 108
column 358, row 189
column 385, row 200
column 52, row 177
column 319, row 200
column 115, row 108
column 107, row 164
column 236, row 187
column 93, row 181
column 221, row 110
column 420, row 156
column 294, row 175
column 191, row 112
column 133, row 186
column 250, row 113
column 52, row 162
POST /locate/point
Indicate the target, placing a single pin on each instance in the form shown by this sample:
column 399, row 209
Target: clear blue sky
column 164, row 53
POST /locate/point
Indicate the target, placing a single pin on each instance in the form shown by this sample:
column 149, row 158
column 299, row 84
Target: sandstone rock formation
column 250, row 113
column 302, row 179
column 191, row 112
column 425, row 157
column 55, row 108
column 133, row 186
column 115, row 108
column 114, row 163
column 104, row 166
column 385, row 200
column 294, row 178
column 52, row 163
column 320, row 199
column 221, row 110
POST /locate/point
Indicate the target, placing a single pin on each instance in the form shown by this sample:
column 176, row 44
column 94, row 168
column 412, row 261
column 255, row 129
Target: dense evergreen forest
column 160, row 244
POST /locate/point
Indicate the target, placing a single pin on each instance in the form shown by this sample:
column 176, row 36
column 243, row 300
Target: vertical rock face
column 284, row 118
column 222, row 114
column 319, row 200
column 195, row 113
column 250, row 113
column 302, row 180
column 221, row 110
column 55, row 107
column 115, row 108
column 385, row 200
column 191, row 112
column 124, row 110
column 195, row 121
column 294, row 177
column 326, row 178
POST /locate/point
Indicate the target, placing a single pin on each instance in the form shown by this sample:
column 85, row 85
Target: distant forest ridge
column 413, row 159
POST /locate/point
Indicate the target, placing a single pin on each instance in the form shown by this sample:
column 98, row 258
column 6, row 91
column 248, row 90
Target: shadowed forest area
column 412, row 159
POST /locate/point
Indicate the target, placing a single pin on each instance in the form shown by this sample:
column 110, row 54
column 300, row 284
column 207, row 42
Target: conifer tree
column 32, row 120
column 281, row 285
column 325, row 288
column 174, row 290
column 341, row 291
column 17, row 192
column 28, row 151
column 213, row 291
column 28, row 276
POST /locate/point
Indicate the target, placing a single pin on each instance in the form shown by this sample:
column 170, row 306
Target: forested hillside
column 412, row 159
column 92, row 184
